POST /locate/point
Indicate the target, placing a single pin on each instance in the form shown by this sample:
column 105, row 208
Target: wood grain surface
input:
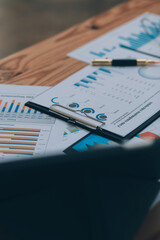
column 27, row 22
column 46, row 63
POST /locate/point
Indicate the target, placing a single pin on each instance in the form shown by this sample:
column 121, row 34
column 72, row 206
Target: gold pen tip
column 154, row 61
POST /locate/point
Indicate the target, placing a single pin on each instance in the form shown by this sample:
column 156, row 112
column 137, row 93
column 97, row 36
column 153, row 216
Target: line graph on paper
column 19, row 140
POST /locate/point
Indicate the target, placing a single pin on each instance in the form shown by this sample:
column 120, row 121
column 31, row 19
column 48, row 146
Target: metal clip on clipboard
column 76, row 116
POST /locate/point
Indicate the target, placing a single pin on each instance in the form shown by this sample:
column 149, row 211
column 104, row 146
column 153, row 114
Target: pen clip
column 76, row 116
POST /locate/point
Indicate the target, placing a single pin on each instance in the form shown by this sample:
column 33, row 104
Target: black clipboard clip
column 76, row 116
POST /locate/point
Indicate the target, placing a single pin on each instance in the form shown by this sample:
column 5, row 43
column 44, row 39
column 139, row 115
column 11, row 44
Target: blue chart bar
column 86, row 81
column 103, row 52
column 11, row 106
column 4, row 108
column 91, row 77
column 109, row 50
column 106, row 50
column 35, row 111
column 80, row 85
column 100, row 54
column 143, row 37
column 104, row 70
column 138, row 40
column 17, row 107
column 29, row 110
column 135, row 43
column 95, row 73
column 22, row 111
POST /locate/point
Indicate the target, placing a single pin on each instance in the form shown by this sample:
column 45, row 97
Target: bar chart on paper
column 132, row 40
column 17, row 140
column 24, row 132
column 144, row 35
column 14, row 110
column 122, row 87
column 103, row 52
column 137, row 40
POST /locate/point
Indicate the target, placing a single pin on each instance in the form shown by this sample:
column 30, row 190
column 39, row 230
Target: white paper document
column 122, row 98
column 141, row 35
column 25, row 132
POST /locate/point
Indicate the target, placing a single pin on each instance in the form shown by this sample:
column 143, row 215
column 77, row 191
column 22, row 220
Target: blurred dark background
column 25, row 22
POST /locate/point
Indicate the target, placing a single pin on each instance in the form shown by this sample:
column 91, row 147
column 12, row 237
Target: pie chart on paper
column 152, row 73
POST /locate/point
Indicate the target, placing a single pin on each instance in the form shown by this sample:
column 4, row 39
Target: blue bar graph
column 103, row 52
column 104, row 70
column 86, row 81
column 29, row 110
column 22, row 111
column 95, row 73
column 109, row 50
column 100, row 54
column 91, row 77
column 80, row 85
column 17, row 107
column 11, row 106
column 136, row 41
column 4, row 108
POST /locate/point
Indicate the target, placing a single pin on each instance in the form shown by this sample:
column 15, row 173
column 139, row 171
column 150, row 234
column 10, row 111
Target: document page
column 25, row 132
column 122, row 98
column 141, row 35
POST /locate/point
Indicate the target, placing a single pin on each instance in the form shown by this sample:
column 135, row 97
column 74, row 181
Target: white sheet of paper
column 25, row 132
column 131, row 35
column 126, row 96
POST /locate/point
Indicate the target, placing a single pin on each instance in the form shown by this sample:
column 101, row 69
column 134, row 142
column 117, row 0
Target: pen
column 123, row 62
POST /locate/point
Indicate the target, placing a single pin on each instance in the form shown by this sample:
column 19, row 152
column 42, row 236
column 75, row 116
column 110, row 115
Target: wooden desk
column 46, row 63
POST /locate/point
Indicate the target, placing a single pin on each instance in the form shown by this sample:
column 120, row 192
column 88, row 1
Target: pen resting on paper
column 123, row 62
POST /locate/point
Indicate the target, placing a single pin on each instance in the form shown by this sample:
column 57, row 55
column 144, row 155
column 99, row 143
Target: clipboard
column 87, row 122
column 118, row 126
column 113, row 88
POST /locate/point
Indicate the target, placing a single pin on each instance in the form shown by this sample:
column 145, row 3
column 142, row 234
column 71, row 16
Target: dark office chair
column 89, row 196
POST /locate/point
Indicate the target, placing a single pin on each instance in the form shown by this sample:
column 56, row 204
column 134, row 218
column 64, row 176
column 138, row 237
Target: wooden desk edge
column 46, row 63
